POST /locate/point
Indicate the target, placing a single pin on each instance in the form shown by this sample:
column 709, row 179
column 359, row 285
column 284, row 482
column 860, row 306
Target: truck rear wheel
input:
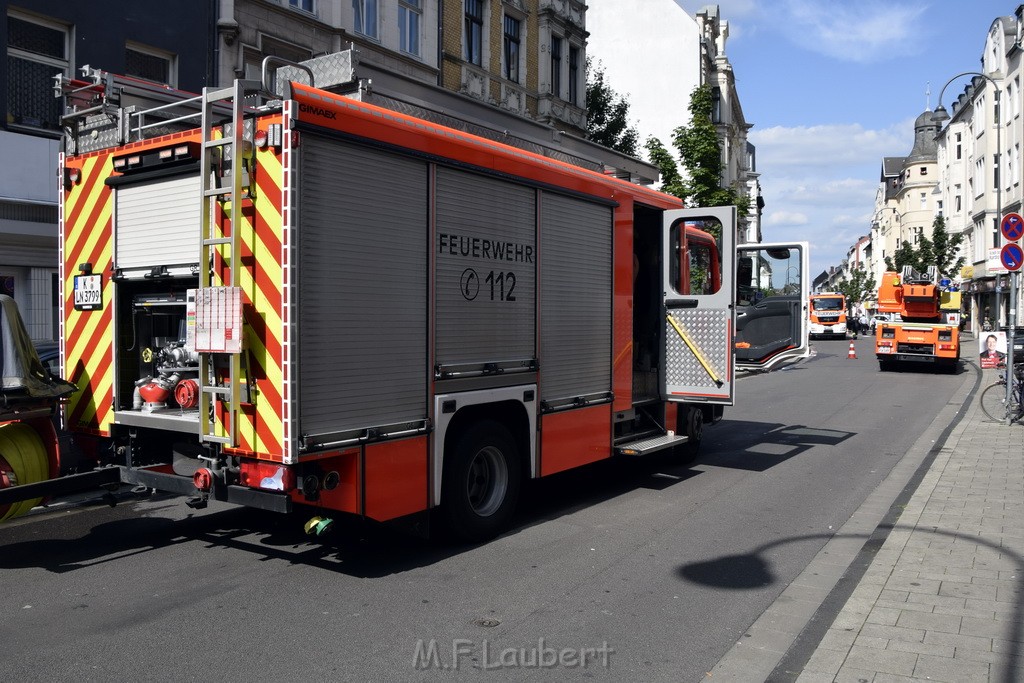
column 23, row 460
column 482, row 477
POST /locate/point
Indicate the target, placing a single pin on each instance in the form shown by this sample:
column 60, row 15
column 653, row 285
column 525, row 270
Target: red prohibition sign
column 1012, row 226
column 1012, row 255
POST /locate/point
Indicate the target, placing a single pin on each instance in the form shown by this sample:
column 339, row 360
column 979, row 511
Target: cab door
column 698, row 286
column 772, row 293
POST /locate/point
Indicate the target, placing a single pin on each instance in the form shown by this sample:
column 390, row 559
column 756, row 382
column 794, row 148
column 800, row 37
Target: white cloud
column 786, row 218
column 862, row 32
column 829, row 145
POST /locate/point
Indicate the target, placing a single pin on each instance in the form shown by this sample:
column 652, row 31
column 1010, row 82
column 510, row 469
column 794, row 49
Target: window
column 36, row 49
column 716, row 105
column 958, row 146
column 979, row 177
column 556, row 66
column 409, row 14
column 995, row 170
column 474, row 31
column 149, row 64
column 306, row 5
column 511, row 53
column 366, row 17
column 574, row 75
column 996, row 235
column 924, row 200
column 924, row 170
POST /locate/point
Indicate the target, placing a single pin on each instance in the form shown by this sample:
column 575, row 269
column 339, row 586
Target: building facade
column 739, row 170
column 44, row 38
column 979, row 160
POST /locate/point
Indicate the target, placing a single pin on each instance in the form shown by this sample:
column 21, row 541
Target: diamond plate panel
column 337, row 68
column 707, row 329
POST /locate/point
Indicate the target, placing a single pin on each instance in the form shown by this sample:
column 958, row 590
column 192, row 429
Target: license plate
column 919, row 359
column 88, row 292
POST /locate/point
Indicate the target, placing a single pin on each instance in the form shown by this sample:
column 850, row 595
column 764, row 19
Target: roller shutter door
column 576, row 297
column 362, row 276
column 486, row 269
column 158, row 223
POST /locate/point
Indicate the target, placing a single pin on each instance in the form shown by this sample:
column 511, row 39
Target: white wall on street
column 651, row 57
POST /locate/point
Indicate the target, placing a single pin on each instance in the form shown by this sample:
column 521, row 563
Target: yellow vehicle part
column 23, row 460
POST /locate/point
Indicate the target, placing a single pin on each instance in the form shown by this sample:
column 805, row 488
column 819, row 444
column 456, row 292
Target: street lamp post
column 939, row 116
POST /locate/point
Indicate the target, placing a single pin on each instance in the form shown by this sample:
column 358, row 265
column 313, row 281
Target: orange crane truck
column 921, row 331
column 280, row 296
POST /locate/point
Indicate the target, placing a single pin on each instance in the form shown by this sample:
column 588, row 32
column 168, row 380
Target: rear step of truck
column 650, row 445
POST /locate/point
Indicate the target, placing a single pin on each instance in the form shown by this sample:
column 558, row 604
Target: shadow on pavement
column 751, row 570
column 363, row 548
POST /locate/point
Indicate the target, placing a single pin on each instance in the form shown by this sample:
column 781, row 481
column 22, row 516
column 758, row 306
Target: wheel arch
column 512, row 407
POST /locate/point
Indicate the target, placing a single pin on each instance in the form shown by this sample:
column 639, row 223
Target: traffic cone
column 853, row 352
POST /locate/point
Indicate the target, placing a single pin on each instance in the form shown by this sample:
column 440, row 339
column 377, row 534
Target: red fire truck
column 295, row 299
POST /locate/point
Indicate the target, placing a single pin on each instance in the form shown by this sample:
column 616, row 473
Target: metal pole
column 1012, row 319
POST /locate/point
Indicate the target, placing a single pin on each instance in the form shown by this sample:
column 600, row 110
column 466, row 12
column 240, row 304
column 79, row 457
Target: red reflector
column 266, row 475
column 203, row 479
column 260, row 139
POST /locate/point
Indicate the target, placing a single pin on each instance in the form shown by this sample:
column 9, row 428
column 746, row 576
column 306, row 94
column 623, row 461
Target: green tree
column 905, row 255
column 946, row 248
column 608, row 114
column 942, row 250
column 671, row 181
column 700, row 153
column 857, row 288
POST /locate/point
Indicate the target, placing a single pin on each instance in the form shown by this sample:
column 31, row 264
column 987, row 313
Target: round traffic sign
column 1012, row 256
column 1012, row 226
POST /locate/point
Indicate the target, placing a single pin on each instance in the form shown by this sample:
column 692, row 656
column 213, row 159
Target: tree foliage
column 700, row 152
column 942, row 250
column 608, row 114
column 671, row 181
column 859, row 287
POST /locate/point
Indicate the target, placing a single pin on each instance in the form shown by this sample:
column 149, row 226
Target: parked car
column 882, row 318
column 49, row 354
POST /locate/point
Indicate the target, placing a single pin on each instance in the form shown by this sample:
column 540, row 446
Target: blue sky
column 831, row 87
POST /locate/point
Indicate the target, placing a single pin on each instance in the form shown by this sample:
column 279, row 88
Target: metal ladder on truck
column 221, row 190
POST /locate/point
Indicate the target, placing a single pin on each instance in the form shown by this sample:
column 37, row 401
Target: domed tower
column 915, row 197
column 925, row 146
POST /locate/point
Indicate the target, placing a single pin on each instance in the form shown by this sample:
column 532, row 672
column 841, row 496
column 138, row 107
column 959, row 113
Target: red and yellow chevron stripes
column 87, row 237
column 260, row 426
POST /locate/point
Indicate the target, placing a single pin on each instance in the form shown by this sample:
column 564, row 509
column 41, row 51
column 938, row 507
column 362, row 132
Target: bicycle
column 993, row 398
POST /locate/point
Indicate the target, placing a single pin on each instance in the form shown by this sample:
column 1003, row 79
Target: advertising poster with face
column 992, row 349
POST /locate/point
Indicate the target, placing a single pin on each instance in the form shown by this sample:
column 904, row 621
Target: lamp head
column 940, row 115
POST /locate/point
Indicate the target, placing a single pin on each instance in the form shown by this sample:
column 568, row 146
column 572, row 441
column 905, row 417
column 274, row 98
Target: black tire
column 690, row 422
column 482, row 477
column 993, row 403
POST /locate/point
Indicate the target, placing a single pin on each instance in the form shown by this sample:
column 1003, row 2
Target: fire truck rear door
column 772, row 293
column 698, row 305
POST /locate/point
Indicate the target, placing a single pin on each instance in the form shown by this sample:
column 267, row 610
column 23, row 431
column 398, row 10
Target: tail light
column 266, row 475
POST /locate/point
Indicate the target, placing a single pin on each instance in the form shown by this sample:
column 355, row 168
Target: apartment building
column 42, row 38
column 979, row 165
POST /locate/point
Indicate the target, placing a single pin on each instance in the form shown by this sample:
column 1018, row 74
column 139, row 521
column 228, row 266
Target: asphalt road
column 642, row 570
